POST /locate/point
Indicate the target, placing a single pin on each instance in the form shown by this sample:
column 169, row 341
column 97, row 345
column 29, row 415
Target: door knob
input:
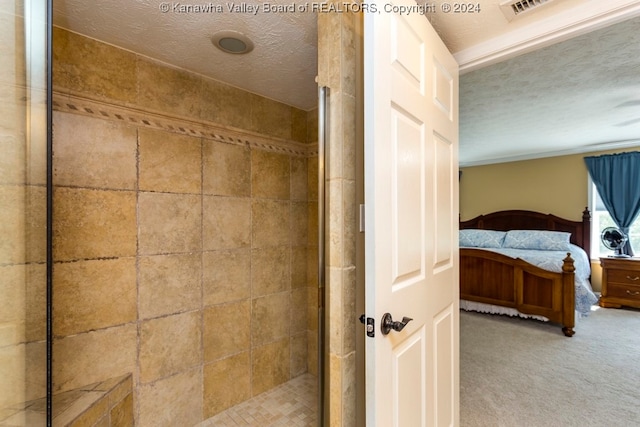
column 387, row 323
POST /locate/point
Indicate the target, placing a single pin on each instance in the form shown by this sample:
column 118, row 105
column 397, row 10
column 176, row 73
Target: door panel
column 411, row 209
column 407, row 173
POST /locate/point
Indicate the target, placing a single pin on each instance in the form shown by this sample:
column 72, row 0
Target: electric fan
column 614, row 239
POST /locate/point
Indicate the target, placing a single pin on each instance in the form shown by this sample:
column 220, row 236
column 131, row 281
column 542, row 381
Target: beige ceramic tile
column 93, row 294
column 35, row 356
column 226, row 276
column 300, row 224
column 68, row 407
column 270, row 366
column 227, row 169
column 13, row 225
column 349, row 310
column 334, row 156
column 348, row 53
column 269, row 223
column 298, row 267
column 299, row 310
column 349, row 137
column 118, row 388
column 169, row 223
column 84, row 65
column 173, row 401
column 312, row 178
column 312, row 267
column 37, row 137
column 335, row 390
column 169, row 284
column 335, row 225
column 227, row 330
column 12, row 304
column 36, row 224
column 312, row 356
column 270, row 117
column 335, row 311
column 121, row 414
column 23, row 303
column 169, row 90
column 299, row 175
column 350, row 221
column 298, row 125
column 12, row 45
column 323, row 48
column 64, row 402
column 299, row 354
column 169, row 345
column 226, row 383
column 74, row 357
column 270, row 318
column 270, row 270
column 89, row 152
column 329, row 32
column 312, row 216
column 224, row 104
column 169, row 162
column 349, row 389
column 92, row 415
column 13, row 163
column 93, row 224
column 312, row 316
column 270, row 175
column 226, row 223
column 13, row 375
column 312, row 126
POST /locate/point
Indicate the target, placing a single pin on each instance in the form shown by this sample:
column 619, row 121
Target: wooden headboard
column 529, row 220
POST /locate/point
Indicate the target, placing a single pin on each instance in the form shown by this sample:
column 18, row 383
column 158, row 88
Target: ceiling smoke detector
column 514, row 8
column 232, row 42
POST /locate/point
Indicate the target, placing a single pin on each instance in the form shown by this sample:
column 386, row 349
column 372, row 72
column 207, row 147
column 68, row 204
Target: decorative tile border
column 88, row 107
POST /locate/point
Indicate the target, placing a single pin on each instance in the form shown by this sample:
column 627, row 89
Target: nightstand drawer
column 623, row 290
column 629, row 277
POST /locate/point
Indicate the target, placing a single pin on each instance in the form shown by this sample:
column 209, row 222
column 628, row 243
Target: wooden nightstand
column 620, row 282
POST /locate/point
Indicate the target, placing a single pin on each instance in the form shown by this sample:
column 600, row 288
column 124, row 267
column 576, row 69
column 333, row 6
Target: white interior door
column 411, row 211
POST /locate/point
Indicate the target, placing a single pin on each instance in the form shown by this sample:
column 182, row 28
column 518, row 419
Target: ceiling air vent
column 514, row 8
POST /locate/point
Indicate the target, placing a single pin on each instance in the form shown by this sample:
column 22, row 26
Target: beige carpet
column 517, row 372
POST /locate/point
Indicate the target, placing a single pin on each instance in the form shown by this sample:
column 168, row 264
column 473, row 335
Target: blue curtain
column 617, row 179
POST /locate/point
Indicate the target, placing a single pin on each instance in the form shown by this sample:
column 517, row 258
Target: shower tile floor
column 292, row 404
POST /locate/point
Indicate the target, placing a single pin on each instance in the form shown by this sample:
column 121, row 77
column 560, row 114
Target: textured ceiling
column 460, row 31
column 583, row 92
column 576, row 95
column 282, row 66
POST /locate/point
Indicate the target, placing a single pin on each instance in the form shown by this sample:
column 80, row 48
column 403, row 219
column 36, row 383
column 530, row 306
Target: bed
column 527, row 263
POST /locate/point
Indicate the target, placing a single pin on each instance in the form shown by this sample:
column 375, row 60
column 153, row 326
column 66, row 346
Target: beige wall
column 556, row 185
column 181, row 256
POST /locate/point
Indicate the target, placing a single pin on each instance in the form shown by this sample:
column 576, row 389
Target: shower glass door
column 24, row 242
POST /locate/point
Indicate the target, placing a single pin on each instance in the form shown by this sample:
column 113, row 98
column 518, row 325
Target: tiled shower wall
column 181, row 256
column 339, row 47
column 22, row 222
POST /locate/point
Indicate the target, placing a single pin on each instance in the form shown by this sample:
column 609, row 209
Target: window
column 600, row 219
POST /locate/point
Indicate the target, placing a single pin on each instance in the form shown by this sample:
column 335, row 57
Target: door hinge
column 361, row 228
column 369, row 323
